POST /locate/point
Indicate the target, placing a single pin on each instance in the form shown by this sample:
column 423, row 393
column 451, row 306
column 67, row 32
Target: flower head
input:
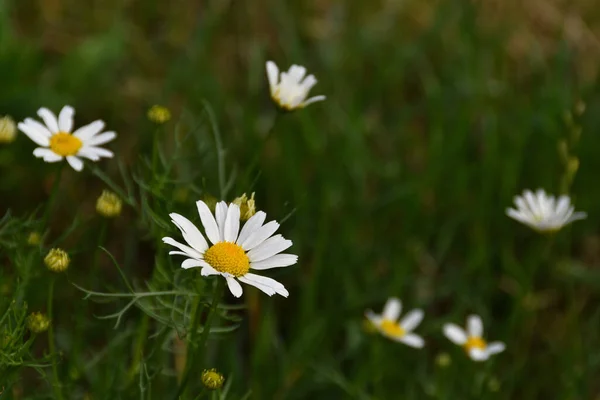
column 290, row 89
column 247, row 206
column 472, row 339
column 57, row 260
column 8, row 129
column 387, row 323
column 58, row 142
column 233, row 252
column 38, row 322
column 212, row 379
column 159, row 114
column 109, row 204
column 542, row 212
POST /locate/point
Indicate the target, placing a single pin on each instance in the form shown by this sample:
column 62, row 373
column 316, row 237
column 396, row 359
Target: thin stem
column 218, row 293
column 56, row 385
column 253, row 164
column 101, row 239
column 53, row 195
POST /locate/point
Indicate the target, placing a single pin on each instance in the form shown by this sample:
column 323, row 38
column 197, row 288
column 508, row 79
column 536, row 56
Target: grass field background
column 437, row 114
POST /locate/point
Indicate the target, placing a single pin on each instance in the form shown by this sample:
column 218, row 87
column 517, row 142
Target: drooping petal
column 87, row 131
column 411, row 320
column 65, row 119
column 190, row 232
column 208, row 221
column 250, row 226
column 264, row 288
column 99, row 151
column 455, row 334
column 260, row 235
column 266, row 281
column 75, row 162
column 277, row 261
column 392, row 309
column 269, row 248
column 232, row 223
column 192, row 263
column 313, row 99
column 474, row 326
column 234, row 286
column 49, row 119
column 190, row 252
column 207, row 271
column 88, row 153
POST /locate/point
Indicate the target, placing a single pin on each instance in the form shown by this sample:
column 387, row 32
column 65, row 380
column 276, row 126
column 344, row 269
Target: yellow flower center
column 475, row 342
column 228, row 257
column 65, row 144
column 391, row 328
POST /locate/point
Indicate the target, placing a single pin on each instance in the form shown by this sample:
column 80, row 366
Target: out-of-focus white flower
column 387, row 323
column 58, row 142
column 542, row 212
column 472, row 339
column 234, row 252
column 290, row 89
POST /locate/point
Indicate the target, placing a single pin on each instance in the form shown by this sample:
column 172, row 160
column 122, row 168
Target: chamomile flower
column 387, row 323
column 543, row 212
column 290, row 89
column 472, row 339
column 233, row 252
column 57, row 141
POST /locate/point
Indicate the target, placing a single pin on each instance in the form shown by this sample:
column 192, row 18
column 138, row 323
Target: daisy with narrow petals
column 233, row 252
column 387, row 323
column 542, row 212
column 472, row 339
column 57, row 141
column 290, row 89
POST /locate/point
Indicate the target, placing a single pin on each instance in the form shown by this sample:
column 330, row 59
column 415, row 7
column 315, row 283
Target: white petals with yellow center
column 58, row 142
column 387, row 323
column 543, row 212
column 472, row 339
column 289, row 90
column 234, row 251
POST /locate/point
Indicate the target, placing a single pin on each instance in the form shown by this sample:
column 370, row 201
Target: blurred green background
column 437, row 114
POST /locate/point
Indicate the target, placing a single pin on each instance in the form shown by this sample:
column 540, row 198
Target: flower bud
column 57, row 260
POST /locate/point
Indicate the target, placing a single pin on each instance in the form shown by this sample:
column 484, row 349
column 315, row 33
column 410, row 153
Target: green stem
column 56, row 386
column 254, row 163
column 193, row 355
column 101, row 239
column 53, row 195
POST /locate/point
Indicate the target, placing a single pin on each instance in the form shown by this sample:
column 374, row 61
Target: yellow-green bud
column 211, row 379
column 494, row 384
column 211, row 202
column 8, row 130
column 57, row 260
column 109, row 204
column 159, row 114
column 443, row 360
column 38, row 322
column 247, row 206
column 34, row 239
column 573, row 166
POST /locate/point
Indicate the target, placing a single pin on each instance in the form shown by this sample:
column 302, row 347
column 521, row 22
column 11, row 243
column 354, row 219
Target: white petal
column 34, row 134
column 518, row 215
column 192, row 263
column 495, row 348
column 75, row 162
column 412, row 340
column 272, row 74
column 532, row 202
column 260, row 235
column 47, row 154
column 220, row 216
column 277, row 261
column 563, row 205
column 101, row 139
column 374, row 318
column 251, row 225
column 577, row 216
column 392, row 309
column 478, row 354
column 411, row 320
column 49, row 119
column 269, row 248
column 65, row 119
column 232, row 223
column 88, row 153
column 186, row 249
column 87, row 131
column 41, row 128
column 208, row 221
column 266, row 281
column 99, row 151
column 266, row 289
column 234, row 286
column 190, row 232
column 455, row 334
column 474, row 326
column 207, row 271
column 313, row 99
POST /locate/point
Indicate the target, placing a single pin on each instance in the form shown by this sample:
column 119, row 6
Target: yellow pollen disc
column 391, row 328
column 475, row 342
column 65, row 144
column 228, row 257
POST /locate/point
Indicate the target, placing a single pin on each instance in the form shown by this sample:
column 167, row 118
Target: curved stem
column 56, row 386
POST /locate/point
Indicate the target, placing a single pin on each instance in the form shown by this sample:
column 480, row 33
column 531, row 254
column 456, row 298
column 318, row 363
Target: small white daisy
column 58, row 142
column 290, row 89
column 233, row 252
column 387, row 323
column 543, row 212
column 472, row 340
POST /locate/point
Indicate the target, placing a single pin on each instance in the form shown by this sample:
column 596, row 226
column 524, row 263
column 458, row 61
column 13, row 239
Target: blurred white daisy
column 542, row 212
column 58, row 142
column 387, row 323
column 472, row 340
column 234, row 252
column 290, row 89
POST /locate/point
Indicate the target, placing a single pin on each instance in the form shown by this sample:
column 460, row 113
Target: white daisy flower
column 543, row 212
column 387, row 323
column 290, row 89
column 472, row 340
column 234, row 252
column 58, row 142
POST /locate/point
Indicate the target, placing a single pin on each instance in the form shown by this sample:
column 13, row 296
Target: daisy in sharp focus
column 387, row 323
column 471, row 339
column 233, row 252
column 57, row 141
column 542, row 212
column 290, row 89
